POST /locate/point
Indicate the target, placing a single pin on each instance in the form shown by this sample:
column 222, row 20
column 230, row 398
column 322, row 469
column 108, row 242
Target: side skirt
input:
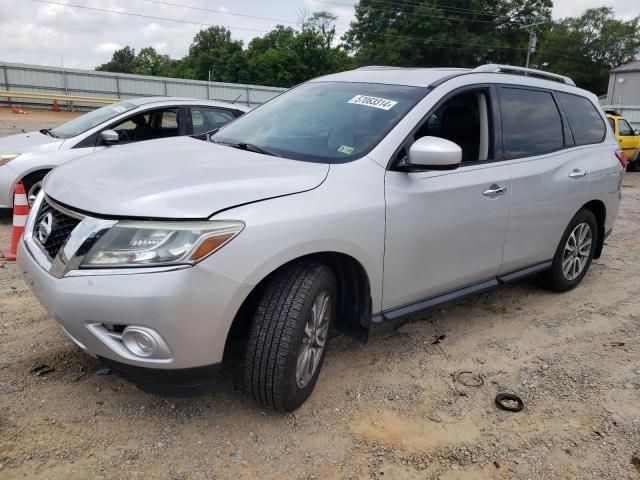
column 437, row 300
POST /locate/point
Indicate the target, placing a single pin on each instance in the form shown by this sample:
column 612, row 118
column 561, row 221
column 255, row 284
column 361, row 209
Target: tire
column 557, row 278
column 33, row 182
column 634, row 166
column 278, row 339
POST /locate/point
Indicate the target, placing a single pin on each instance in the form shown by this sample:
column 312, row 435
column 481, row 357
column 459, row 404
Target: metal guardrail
column 52, row 97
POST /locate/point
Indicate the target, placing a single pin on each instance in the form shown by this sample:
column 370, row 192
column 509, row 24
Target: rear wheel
column 574, row 253
column 32, row 185
column 289, row 335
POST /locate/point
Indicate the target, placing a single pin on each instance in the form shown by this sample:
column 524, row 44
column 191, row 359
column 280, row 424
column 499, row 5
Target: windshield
column 89, row 120
column 327, row 122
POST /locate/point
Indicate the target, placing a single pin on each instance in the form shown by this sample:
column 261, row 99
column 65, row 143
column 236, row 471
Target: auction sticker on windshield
column 375, row 102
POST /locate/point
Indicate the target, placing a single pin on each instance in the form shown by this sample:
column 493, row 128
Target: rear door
column 550, row 165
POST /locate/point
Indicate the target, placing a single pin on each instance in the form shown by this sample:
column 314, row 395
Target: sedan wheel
column 33, row 192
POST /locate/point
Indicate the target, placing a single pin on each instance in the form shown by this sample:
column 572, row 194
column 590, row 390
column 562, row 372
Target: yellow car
column 628, row 139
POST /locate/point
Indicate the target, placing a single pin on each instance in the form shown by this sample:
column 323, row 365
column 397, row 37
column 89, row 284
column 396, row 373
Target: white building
column 623, row 93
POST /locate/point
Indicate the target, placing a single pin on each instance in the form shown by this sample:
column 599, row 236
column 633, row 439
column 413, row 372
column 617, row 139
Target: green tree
column 285, row 57
column 150, row 62
column 587, row 47
column 214, row 52
column 122, row 61
column 462, row 33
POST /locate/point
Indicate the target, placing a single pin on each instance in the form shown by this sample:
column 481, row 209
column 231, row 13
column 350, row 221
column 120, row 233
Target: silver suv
column 350, row 200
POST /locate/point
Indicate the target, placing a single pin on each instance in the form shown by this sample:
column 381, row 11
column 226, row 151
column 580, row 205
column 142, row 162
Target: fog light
column 140, row 341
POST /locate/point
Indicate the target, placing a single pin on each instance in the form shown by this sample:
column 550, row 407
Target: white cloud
column 107, row 47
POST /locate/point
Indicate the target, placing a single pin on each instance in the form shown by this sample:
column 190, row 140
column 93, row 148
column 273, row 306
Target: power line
column 213, row 10
column 445, row 42
column 442, row 17
column 150, row 17
column 445, row 8
column 442, row 7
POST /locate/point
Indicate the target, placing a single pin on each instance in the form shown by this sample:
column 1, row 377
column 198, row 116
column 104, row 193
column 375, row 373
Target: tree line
column 407, row 33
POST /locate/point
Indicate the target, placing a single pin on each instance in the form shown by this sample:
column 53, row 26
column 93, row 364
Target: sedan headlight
column 7, row 157
column 135, row 244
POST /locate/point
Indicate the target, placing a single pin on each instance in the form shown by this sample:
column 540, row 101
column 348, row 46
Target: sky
column 45, row 32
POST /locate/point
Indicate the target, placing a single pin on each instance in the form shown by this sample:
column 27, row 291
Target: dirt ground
column 395, row 409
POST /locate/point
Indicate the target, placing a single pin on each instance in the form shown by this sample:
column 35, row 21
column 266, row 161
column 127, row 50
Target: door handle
column 577, row 173
column 495, row 191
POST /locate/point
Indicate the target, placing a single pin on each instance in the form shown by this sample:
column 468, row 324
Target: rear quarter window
column 531, row 123
column 585, row 122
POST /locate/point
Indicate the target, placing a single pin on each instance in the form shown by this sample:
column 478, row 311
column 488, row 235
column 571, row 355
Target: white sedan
column 28, row 157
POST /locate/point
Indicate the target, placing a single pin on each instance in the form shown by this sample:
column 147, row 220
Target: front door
column 628, row 140
column 446, row 229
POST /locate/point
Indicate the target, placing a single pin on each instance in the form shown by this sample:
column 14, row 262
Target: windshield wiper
column 47, row 131
column 251, row 148
column 257, row 149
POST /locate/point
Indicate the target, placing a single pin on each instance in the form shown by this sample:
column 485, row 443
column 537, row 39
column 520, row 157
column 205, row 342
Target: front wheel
column 574, row 253
column 33, row 184
column 289, row 335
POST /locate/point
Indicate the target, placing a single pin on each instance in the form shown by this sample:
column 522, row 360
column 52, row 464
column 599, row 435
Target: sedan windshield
column 329, row 122
column 92, row 119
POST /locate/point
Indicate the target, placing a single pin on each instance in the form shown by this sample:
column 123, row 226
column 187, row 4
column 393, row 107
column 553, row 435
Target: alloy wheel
column 577, row 251
column 314, row 339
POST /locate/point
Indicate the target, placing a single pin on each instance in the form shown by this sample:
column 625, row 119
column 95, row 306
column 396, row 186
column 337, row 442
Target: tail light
column 622, row 158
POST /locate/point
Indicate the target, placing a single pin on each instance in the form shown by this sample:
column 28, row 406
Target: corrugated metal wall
column 623, row 95
column 52, row 80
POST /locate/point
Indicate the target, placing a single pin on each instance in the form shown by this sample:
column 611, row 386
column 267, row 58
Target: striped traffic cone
column 20, row 212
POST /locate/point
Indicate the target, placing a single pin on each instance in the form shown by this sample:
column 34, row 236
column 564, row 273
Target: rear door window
column 531, row 123
column 206, row 119
column 585, row 122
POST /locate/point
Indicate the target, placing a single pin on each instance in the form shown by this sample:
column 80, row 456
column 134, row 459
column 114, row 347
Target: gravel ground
column 11, row 123
column 397, row 408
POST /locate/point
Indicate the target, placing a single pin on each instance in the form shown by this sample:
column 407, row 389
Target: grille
column 62, row 227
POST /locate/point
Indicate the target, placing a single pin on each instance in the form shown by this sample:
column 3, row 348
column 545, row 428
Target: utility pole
column 533, row 40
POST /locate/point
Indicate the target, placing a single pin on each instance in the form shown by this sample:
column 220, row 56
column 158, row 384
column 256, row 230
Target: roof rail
column 495, row 68
column 379, row 67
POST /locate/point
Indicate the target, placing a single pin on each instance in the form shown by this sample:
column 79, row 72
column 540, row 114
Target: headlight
column 134, row 244
column 6, row 158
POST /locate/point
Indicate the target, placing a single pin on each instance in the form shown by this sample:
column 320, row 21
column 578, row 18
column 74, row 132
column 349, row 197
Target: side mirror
column 435, row 153
column 637, row 132
column 110, row 137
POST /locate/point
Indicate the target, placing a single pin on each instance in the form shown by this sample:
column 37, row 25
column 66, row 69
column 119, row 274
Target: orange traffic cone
column 56, row 107
column 18, row 111
column 20, row 212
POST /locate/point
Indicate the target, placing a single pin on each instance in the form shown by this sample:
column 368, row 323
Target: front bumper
column 190, row 308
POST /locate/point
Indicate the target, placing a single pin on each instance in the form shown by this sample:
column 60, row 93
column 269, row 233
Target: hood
column 176, row 178
column 29, row 142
